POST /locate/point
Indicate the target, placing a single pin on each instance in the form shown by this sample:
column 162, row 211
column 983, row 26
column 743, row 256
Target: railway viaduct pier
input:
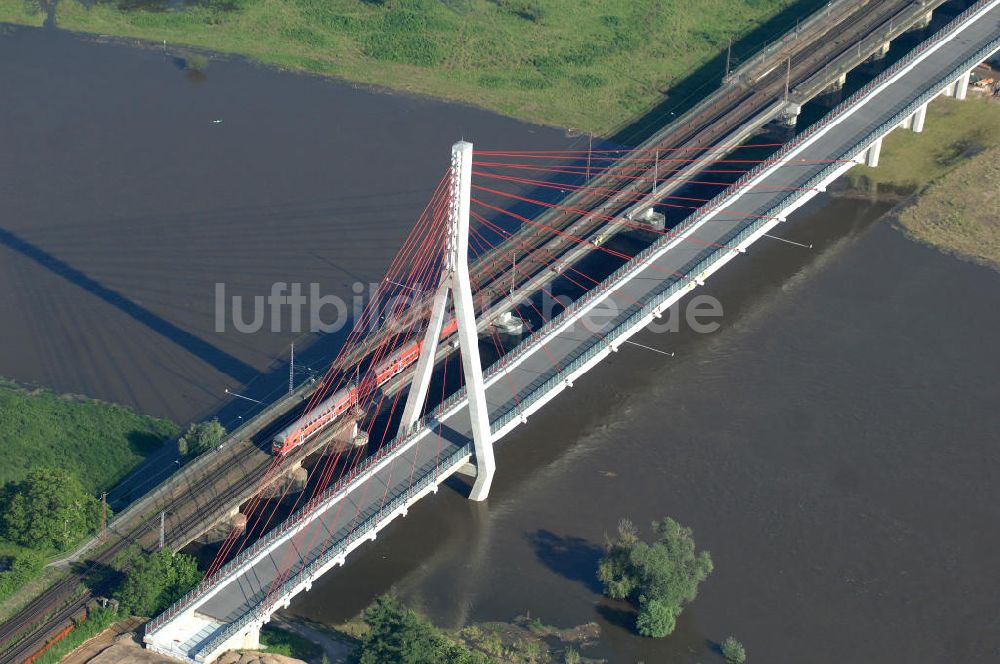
column 227, row 610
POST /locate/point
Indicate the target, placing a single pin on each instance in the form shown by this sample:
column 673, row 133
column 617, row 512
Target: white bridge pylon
column 455, row 281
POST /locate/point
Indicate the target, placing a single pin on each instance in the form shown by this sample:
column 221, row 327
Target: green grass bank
column 589, row 65
column 97, row 442
column 953, row 168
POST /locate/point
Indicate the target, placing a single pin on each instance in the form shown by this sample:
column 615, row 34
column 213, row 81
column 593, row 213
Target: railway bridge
column 236, row 598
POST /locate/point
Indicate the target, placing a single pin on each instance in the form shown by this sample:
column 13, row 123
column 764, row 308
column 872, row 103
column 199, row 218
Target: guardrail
column 868, row 46
column 328, row 554
column 624, row 272
column 835, row 11
column 364, row 466
column 716, row 203
column 191, row 469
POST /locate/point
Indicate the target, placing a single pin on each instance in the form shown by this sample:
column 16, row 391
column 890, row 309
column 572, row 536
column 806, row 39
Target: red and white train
column 331, row 408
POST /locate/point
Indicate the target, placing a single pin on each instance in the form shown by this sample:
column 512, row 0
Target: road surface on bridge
column 438, row 449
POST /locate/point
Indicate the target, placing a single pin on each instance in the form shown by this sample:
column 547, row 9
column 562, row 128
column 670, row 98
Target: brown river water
column 834, row 444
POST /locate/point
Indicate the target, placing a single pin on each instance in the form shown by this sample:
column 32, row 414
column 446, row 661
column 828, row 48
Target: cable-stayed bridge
column 492, row 204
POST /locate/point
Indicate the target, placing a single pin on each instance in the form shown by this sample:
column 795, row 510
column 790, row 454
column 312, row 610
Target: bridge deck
column 538, row 363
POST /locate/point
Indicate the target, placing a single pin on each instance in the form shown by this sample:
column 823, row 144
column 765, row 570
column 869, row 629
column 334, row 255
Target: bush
column 526, row 9
column 23, row 568
column 399, row 634
column 733, row 651
column 589, row 81
column 656, row 618
column 200, row 438
column 155, row 581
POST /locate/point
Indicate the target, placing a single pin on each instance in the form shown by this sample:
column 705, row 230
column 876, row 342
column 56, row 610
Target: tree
column 399, row 634
column 155, row 581
column 733, row 651
column 201, row 437
column 49, row 509
column 660, row 577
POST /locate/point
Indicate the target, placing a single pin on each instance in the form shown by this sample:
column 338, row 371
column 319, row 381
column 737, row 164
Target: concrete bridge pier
column 880, row 54
column 246, row 639
column 250, row 640
column 783, row 126
column 234, row 520
column 790, row 116
column 348, row 439
column 917, row 119
column 959, row 88
column 873, row 152
column 834, row 93
column 923, row 22
column 290, row 482
column 962, row 85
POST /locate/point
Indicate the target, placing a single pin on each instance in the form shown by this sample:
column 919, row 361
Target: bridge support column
column 873, row 152
column 249, row 640
column 923, row 22
column 293, row 481
column 880, row 54
column 833, row 94
column 918, row 119
column 790, row 116
column 962, row 85
column 455, row 281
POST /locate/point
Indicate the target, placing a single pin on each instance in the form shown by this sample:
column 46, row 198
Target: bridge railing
column 203, row 464
column 233, row 566
column 929, row 91
column 625, row 271
column 328, row 554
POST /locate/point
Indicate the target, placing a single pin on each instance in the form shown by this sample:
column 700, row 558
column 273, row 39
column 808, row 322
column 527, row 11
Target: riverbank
column 522, row 640
column 98, row 442
column 960, row 213
column 947, row 178
column 554, row 62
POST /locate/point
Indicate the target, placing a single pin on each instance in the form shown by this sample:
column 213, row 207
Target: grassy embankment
column 277, row 641
column 953, row 167
column 97, row 442
column 21, row 12
column 587, row 65
column 98, row 621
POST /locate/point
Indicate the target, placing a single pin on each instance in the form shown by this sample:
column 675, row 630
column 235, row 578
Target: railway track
column 733, row 108
column 730, row 107
column 57, row 605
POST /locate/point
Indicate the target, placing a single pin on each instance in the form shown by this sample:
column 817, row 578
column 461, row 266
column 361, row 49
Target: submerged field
column 954, row 168
column 586, row 65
